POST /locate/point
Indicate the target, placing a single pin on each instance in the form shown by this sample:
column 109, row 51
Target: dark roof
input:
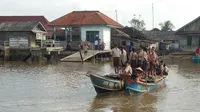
column 161, row 35
column 155, row 29
column 41, row 19
column 134, row 33
column 77, row 18
column 182, row 28
column 18, row 26
column 117, row 33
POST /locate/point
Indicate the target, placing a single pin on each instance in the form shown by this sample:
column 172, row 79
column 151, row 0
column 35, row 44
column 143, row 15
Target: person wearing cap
column 140, row 74
column 116, row 58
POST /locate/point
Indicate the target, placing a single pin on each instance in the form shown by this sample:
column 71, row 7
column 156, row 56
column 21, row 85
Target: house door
column 189, row 41
column 91, row 36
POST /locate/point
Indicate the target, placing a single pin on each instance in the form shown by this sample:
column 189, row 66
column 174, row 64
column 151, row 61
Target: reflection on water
column 119, row 102
column 63, row 87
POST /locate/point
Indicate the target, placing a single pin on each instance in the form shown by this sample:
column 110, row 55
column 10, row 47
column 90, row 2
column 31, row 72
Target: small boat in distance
column 133, row 87
column 196, row 59
column 108, row 83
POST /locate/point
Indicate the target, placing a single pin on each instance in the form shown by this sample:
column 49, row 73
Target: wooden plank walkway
column 77, row 58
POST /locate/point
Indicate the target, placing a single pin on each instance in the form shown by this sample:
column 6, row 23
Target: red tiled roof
column 84, row 18
column 41, row 19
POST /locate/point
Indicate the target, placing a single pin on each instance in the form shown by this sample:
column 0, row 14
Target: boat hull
column 138, row 88
column 196, row 59
column 104, row 84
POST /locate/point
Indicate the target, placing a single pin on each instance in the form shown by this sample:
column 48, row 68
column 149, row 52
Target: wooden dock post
column 6, row 54
column 81, row 56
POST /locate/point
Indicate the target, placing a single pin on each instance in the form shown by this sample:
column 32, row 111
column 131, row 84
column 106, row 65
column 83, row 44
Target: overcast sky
column 180, row 12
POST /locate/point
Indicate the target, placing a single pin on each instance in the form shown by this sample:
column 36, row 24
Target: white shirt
column 166, row 69
column 96, row 42
column 123, row 56
column 128, row 70
column 116, row 52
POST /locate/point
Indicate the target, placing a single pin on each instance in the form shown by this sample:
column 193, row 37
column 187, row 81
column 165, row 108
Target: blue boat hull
column 196, row 59
column 104, row 84
column 138, row 88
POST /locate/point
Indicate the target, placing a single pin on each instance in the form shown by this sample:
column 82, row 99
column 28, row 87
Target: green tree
column 137, row 23
column 166, row 26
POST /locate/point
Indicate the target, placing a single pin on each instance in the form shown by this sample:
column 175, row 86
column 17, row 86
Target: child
column 128, row 70
column 166, row 69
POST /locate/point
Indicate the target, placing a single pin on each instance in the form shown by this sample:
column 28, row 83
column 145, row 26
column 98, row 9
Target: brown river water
column 63, row 87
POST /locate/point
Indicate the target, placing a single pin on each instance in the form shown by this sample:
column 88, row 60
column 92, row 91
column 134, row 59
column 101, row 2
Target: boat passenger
column 140, row 73
column 123, row 57
column 160, row 68
column 128, row 70
column 116, row 58
column 133, row 58
column 145, row 59
column 141, row 57
column 166, row 69
column 153, row 59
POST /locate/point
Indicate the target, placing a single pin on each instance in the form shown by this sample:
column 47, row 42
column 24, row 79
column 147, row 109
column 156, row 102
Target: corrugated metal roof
column 76, row 18
column 41, row 19
column 18, row 26
column 118, row 33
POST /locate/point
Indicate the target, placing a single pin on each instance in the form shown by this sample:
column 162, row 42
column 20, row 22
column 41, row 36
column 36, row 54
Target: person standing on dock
column 116, row 58
column 86, row 47
column 123, row 57
column 96, row 44
column 133, row 58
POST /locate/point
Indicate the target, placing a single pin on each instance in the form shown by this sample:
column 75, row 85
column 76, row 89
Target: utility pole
column 152, row 16
column 116, row 15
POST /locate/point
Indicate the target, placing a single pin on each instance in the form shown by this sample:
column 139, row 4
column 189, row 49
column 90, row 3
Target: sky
column 179, row 12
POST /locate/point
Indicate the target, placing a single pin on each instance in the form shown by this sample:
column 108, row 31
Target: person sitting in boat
column 140, row 73
column 166, row 69
column 160, row 68
column 128, row 70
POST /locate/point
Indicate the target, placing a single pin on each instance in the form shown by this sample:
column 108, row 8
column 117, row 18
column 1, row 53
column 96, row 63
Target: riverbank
column 178, row 56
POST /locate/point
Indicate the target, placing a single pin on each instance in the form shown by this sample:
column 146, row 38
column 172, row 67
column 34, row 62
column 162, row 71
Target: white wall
column 91, row 28
column 107, row 37
column 104, row 33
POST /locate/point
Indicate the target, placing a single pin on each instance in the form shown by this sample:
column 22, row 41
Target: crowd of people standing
column 145, row 60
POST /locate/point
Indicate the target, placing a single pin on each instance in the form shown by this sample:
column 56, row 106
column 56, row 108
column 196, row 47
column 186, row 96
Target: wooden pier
column 76, row 57
column 38, row 49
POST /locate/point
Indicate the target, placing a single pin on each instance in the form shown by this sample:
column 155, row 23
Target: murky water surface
column 63, row 87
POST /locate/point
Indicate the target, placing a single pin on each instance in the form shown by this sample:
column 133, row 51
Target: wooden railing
column 25, row 44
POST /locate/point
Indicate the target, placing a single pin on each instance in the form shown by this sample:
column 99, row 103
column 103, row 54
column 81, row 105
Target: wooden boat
column 109, row 83
column 196, row 59
column 133, row 87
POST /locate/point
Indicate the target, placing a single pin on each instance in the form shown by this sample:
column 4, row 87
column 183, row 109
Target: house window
column 91, row 36
column 189, row 41
column 76, row 38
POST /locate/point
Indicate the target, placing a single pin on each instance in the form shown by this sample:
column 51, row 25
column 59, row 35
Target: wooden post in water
column 81, row 55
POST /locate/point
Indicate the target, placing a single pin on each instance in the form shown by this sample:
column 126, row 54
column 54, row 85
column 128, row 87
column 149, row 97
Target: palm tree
column 166, row 26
